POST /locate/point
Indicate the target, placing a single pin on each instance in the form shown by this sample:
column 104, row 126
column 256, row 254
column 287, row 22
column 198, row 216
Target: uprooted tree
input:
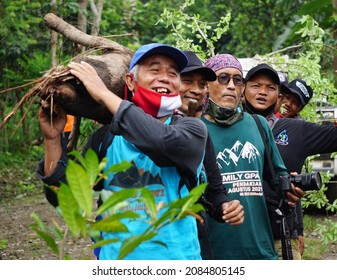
column 58, row 86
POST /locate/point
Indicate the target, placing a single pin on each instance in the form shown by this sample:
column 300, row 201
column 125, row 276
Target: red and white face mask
column 154, row 103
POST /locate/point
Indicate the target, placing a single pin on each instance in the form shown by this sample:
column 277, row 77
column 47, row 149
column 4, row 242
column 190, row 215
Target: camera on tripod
column 306, row 182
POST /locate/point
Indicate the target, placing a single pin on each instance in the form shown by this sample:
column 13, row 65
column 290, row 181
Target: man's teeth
column 283, row 110
column 162, row 90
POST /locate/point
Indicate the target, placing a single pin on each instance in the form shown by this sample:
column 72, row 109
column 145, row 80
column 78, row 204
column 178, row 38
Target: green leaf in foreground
column 131, row 243
column 91, row 166
column 49, row 240
column 124, row 165
column 38, row 221
column 69, row 208
column 79, row 182
column 114, row 222
column 104, row 242
column 148, row 198
column 116, row 198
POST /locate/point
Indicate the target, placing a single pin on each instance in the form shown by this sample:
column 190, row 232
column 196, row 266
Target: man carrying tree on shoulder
column 162, row 147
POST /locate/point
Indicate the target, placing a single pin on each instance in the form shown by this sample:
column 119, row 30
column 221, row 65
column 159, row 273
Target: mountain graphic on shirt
column 135, row 178
column 238, row 151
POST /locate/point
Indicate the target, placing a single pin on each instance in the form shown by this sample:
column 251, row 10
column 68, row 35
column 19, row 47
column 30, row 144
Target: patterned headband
column 220, row 61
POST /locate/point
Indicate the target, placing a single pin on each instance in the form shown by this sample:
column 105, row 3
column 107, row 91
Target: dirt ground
column 22, row 243
column 19, row 242
column 19, row 198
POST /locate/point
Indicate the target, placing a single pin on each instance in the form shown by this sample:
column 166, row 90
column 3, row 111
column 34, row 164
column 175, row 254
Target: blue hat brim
column 152, row 49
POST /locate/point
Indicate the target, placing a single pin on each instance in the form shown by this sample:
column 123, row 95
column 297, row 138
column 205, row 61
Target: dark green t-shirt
column 240, row 156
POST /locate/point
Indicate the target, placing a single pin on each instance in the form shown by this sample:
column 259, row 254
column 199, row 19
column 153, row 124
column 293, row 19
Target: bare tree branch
column 69, row 31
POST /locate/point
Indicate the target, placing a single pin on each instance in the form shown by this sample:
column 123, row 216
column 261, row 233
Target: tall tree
column 334, row 5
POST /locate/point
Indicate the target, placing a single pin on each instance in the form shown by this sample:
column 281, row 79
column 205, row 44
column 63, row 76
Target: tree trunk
column 73, row 34
column 82, row 22
column 82, row 26
column 97, row 11
column 4, row 135
column 25, row 131
column 334, row 5
column 53, row 38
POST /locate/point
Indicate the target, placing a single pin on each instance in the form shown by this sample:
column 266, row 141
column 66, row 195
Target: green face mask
column 224, row 116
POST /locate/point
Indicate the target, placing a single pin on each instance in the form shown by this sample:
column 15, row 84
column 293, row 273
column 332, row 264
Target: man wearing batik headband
column 240, row 157
column 164, row 149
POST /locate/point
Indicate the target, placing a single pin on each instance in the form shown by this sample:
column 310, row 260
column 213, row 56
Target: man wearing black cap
column 296, row 139
column 296, row 95
column 194, row 78
column 165, row 150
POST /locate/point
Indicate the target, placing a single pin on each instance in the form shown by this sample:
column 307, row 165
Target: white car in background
column 327, row 162
column 328, row 114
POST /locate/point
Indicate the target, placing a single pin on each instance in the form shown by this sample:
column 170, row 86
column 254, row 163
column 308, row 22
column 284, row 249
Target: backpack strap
column 105, row 143
column 285, row 235
column 202, row 227
column 268, row 157
column 267, row 187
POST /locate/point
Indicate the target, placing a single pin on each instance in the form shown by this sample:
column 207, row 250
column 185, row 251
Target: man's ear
column 129, row 80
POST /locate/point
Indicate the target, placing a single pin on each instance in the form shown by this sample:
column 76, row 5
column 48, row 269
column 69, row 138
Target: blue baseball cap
column 154, row 48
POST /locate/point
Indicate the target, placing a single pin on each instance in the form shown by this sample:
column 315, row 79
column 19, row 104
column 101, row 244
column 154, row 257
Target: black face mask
column 251, row 110
column 224, row 116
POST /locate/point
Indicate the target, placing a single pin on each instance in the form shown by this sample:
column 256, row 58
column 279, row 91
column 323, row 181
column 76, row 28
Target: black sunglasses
column 224, row 79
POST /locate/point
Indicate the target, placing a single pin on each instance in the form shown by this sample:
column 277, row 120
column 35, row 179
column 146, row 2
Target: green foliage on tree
column 305, row 64
column 78, row 210
column 204, row 35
